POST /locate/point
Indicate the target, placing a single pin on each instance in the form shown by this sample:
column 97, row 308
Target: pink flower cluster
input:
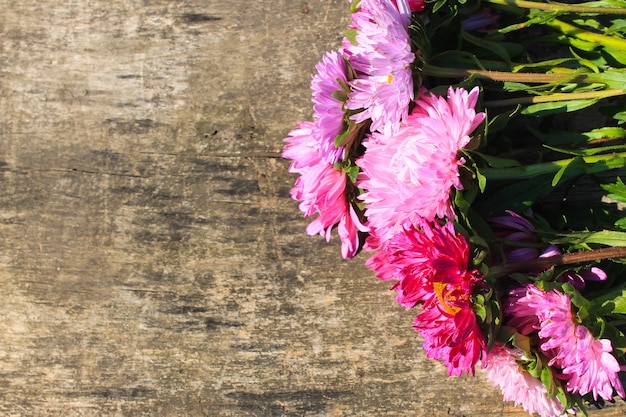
column 381, row 92
column 408, row 164
column 379, row 163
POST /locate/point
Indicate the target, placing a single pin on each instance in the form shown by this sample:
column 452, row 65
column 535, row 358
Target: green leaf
column 341, row 138
column 576, row 165
column 603, row 237
column 499, row 121
column 547, row 380
column 614, row 78
column 505, row 50
column 616, row 191
column 618, row 55
column 612, row 303
column 621, row 223
column 555, row 138
column 350, row 35
column 588, row 151
column 556, row 107
column 496, row 162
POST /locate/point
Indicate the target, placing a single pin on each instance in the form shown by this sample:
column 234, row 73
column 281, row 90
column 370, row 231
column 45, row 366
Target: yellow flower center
column 446, row 297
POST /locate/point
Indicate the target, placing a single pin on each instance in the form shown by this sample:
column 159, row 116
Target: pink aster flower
column 431, row 264
column 517, row 385
column 321, row 188
column 408, row 175
column 328, row 111
column 585, row 363
column 382, row 60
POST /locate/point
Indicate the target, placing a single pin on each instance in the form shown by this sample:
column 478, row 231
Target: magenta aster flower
column 431, row 264
column 517, row 385
column 328, row 111
column 408, row 175
column 585, row 363
column 382, row 60
column 414, row 5
column 321, row 188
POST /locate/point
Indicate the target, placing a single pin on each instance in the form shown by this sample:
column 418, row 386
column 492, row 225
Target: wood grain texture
column 151, row 260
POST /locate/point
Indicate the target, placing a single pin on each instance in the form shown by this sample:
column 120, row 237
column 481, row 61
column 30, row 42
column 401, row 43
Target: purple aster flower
column 578, row 278
column 520, row 242
column 481, row 21
column 382, row 60
column 328, row 111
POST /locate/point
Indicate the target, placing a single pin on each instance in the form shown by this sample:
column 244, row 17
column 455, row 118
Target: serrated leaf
column 616, row 191
column 612, row 303
column 603, row 237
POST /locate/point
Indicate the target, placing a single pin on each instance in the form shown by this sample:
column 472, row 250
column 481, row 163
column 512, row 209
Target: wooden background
column 151, row 260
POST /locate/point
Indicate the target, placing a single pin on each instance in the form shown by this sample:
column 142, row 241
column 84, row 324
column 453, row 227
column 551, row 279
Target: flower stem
column 521, row 77
column 555, row 97
column 564, row 259
column 597, row 163
column 559, row 7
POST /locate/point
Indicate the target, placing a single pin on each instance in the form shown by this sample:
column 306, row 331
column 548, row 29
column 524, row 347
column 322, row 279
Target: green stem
column 565, row 259
column 521, row 77
column 559, row 7
column 598, row 163
column 555, row 97
column 597, row 38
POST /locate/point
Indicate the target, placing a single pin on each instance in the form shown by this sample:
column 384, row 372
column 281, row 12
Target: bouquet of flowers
column 474, row 148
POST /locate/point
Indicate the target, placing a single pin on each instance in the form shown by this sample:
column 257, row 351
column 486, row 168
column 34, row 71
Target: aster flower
column 520, row 242
column 408, row 175
column 414, row 5
column 586, row 364
column 431, row 264
column 517, row 385
column 321, row 188
column 578, row 278
column 381, row 59
column 481, row 21
column 328, row 110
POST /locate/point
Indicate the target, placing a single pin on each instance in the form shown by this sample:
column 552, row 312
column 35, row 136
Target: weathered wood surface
column 151, row 261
